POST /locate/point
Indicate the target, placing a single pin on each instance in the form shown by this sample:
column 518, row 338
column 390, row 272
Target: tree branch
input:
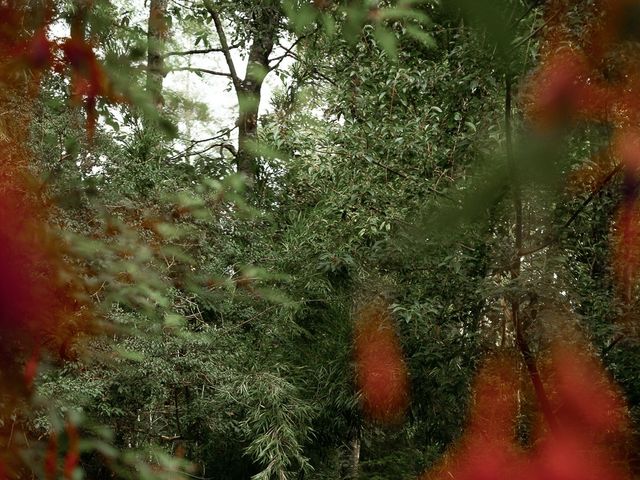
column 554, row 237
column 237, row 83
column 612, row 344
column 222, row 134
column 289, row 50
column 188, row 151
column 280, row 58
column 322, row 76
column 200, row 70
column 198, row 51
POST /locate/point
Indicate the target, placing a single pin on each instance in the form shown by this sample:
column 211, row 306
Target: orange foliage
column 381, row 373
column 564, row 90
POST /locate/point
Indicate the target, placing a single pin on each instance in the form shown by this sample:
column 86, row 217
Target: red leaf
column 381, row 373
column 73, row 452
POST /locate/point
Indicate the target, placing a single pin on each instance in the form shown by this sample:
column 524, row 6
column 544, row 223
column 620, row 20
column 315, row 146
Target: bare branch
column 279, row 58
column 199, row 51
column 322, row 76
column 189, row 150
column 200, row 70
column 226, row 146
column 289, row 51
column 222, row 134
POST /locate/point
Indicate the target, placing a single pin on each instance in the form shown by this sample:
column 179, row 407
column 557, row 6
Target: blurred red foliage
column 596, row 78
column 73, row 451
column 51, row 458
column 588, row 442
column 44, row 309
column 89, row 80
column 381, row 373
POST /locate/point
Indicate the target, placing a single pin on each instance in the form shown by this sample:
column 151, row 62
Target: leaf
column 127, row 354
column 405, row 13
column 387, row 40
column 421, row 36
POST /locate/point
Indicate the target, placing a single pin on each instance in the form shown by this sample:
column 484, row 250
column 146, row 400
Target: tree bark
column 249, row 97
column 78, row 22
column 157, row 32
column 78, row 31
column 354, row 463
column 249, row 90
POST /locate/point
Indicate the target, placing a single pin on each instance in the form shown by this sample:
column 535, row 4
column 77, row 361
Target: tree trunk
column 354, row 461
column 78, row 31
column 157, row 32
column 78, row 22
column 521, row 342
column 248, row 90
column 249, row 96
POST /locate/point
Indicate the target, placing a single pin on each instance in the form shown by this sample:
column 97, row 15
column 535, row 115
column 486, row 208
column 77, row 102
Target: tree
column 264, row 28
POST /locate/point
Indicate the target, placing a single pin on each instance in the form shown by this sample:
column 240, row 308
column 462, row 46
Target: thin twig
column 290, row 49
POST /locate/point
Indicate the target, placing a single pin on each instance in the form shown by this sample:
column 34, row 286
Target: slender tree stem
column 516, row 265
column 226, row 50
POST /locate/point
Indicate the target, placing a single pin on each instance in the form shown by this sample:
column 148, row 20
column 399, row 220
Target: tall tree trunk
column 249, row 90
column 157, row 32
column 249, row 97
column 516, row 267
column 78, row 21
column 78, row 31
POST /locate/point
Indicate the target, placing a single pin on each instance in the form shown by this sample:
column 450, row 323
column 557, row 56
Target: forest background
column 434, row 192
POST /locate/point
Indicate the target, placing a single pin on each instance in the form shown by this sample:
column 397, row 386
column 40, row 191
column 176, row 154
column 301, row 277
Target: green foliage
column 227, row 312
